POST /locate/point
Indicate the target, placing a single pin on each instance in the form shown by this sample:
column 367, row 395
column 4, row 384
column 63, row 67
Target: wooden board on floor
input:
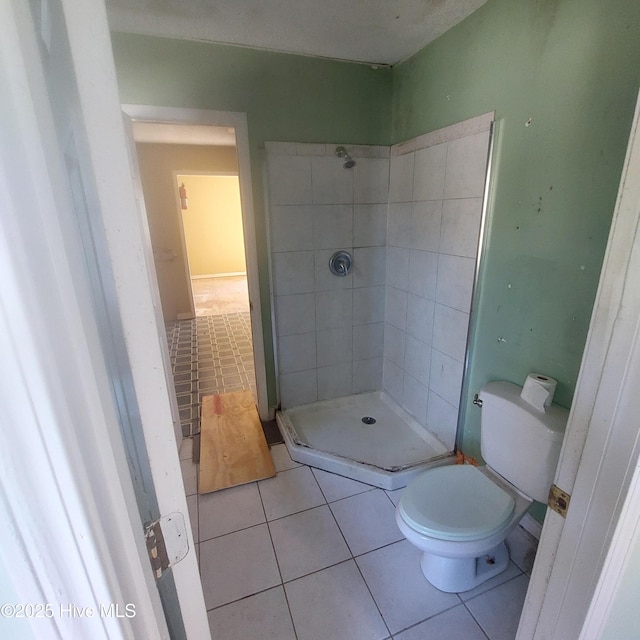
column 233, row 449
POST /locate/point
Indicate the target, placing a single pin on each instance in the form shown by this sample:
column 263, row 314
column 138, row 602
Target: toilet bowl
column 460, row 515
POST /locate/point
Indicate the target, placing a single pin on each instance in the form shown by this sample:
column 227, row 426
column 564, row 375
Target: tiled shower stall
column 410, row 216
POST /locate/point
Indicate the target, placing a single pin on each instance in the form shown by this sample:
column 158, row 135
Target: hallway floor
column 219, row 296
column 309, row 555
column 211, row 354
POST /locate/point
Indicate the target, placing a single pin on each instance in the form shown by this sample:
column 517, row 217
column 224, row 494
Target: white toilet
column 460, row 515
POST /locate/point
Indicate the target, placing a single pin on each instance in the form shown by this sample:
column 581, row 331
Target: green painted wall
column 285, row 97
column 571, row 68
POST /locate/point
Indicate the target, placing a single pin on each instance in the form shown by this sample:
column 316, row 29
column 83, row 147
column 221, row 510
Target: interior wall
column 285, row 97
column 158, row 165
column 213, row 225
column 562, row 78
column 329, row 329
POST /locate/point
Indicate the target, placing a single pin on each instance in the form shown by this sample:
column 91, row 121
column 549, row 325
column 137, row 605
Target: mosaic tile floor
column 210, row 354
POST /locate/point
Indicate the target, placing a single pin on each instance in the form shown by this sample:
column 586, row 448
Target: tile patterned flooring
column 211, row 354
column 309, row 555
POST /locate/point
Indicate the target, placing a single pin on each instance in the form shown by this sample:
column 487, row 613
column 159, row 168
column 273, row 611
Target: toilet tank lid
column 505, row 396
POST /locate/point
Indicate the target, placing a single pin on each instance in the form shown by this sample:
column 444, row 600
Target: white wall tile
column 450, row 331
column 417, row 359
column 393, row 380
column 368, row 305
column 414, row 398
column 369, row 266
column 396, row 308
column 324, row 279
column 461, row 227
column 332, row 183
column 371, row 180
column 291, row 227
column 334, row 346
column 446, row 377
column 369, row 225
column 332, row 226
column 420, row 318
column 425, row 225
column 399, row 224
column 466, row 166
column 289, row 180
column 428, row 175
column 401, row 178
column 368, row 341
column 333, row 309
column 297, row 352
column 334, row 381
column 367, row 375
column 455, row 281
column 442, row 420
column 293, row 272
column 298, row 388
column 295, row 313
column 394, row 343
column 398, row 267
column 423, row 273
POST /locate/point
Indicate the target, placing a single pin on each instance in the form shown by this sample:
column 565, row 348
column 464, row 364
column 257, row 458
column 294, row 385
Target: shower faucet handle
column 340, row 263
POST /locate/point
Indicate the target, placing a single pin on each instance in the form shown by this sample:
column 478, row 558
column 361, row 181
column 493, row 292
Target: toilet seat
column 455, row 502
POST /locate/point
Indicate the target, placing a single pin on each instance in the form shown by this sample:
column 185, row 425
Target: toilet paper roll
column 538, row 390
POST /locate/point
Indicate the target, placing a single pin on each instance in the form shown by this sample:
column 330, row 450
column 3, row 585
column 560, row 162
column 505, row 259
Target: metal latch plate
column 559, row 500
column 167, row 542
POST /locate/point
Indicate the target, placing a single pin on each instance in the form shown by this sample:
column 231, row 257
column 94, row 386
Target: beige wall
column 158, row 165
column 213, row 224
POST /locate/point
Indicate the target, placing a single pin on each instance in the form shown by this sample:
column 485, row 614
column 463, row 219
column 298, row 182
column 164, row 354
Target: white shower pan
column 338, row 436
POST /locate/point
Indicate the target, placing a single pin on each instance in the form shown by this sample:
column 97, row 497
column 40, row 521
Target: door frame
column 73, row 533
column 237, row 120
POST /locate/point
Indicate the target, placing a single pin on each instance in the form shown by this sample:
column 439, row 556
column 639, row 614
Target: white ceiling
column 372, row 31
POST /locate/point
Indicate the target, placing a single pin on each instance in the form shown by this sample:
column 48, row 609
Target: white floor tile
column 289, row 492
column 307, row 541
column 237, row 565
column 229, row 510
column 402, row 593
column 281, row 458
column 192, row 505
column 455, row 624
column 367, row 521
column 186, row 449
column 522, row 548
column 395, row 495
column 337, row 487
column 498, row 611
column 509, row 573
column 189, row 477
column 334, row 604
column 264, row 616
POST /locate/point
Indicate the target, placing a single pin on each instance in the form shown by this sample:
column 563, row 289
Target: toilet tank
column 519, row 442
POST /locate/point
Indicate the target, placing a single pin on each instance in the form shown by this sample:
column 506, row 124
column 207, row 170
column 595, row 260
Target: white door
column 602, row 447
column 88, row 447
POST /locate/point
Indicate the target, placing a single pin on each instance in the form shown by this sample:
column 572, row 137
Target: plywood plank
column 233, row 449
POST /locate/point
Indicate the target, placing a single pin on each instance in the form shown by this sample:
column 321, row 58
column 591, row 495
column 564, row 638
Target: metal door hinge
column 167, row 542
column 559, row 500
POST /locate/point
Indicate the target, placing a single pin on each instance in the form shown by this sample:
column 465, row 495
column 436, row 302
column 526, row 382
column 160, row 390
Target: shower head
column 349, row 162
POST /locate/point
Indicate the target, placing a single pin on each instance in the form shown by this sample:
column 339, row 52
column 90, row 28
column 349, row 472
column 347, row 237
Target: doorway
column 206, row 131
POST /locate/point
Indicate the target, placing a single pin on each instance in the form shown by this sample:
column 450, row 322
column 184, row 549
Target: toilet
column 460, row 515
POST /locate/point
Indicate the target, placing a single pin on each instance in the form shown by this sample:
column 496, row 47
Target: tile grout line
column 275, row 555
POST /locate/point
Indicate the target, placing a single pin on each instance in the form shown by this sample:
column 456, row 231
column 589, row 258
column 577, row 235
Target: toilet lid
column 456, row 502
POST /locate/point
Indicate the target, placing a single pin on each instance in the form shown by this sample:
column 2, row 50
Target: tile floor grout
column 287, row 587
